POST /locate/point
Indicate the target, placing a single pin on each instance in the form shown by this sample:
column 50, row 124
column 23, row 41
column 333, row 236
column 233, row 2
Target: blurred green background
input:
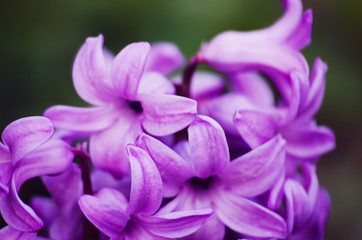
column 39, row 39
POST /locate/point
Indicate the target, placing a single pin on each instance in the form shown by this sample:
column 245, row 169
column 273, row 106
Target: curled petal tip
column 308, row 16
column 127, row 69
column 26, row 134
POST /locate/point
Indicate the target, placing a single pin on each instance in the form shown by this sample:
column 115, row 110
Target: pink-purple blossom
column 163, row 155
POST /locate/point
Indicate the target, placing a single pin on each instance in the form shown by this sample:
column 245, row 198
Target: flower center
column 135, row 106
column 201, row 183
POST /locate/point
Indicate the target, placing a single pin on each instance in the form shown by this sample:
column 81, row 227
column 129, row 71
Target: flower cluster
column 228, row 153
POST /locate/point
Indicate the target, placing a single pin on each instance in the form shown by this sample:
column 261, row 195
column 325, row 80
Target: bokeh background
column 39, row 39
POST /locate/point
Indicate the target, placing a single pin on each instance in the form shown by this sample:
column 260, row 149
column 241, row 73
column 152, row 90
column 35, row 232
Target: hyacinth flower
column 28, row 151
column 315, row 225
column 205, row 177
column 301, row 196
column 232, row 51
column 273, row 51
column 61, row 213
column 188, row 188
column 125, row 99
column 250, row 108
column 305, row 140
column 137, row 218
column 307, row 207
column 258, row 119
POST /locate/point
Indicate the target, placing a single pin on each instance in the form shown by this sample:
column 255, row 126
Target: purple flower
column 205, row 177
column 164, row 58
column 231, row 51
column 250, row 108
column 126, row 99
column 161, row 149
column 110, row 211
column 305, row 140
column 274, row 52
column 61, row 213
column 307, row 205
column 13, row 234
column 316, row 224
column 28, row 152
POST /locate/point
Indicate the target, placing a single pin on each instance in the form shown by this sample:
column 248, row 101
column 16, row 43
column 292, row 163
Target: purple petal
column 277, row 33
column 308, row 141
column 206, row 85
column 153, row 82
column 323, row 207
column 91, row 75
column 26, row 134
column 70, row 137
column 127, row 69
column 106, row 210
column 53, row 157
column 164, row 58
column 166, row 114
column 101, row 179
column 263, row 50
column 209, row 149
column 189, row 198
column 176, row 224
column 5, row 179
column 46, row 209
column 276, row 192
column 295, row 98
column 6, row 169
column 230, row 52
column 213, row 229
column 316, row 91
column 311, row 183
column 136, row 231
column 256, row 171
column 182, row 148
column 80, row 119
column 13, row 234
column 252, row 85
column 65, row 188
column 17, row 214
column 301, row 36
column 173, row 169
column 256, row 127
column 298, row 204
column 5, row 155
column 289, row 22
column 315, row 227
column 108, row 147
column 146, row 185
column 67, row 226
column 247, row 217
column 223, row 108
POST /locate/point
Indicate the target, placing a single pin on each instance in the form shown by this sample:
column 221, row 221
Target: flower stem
column 84, row 163
column 184, row 90
column 90, row 232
